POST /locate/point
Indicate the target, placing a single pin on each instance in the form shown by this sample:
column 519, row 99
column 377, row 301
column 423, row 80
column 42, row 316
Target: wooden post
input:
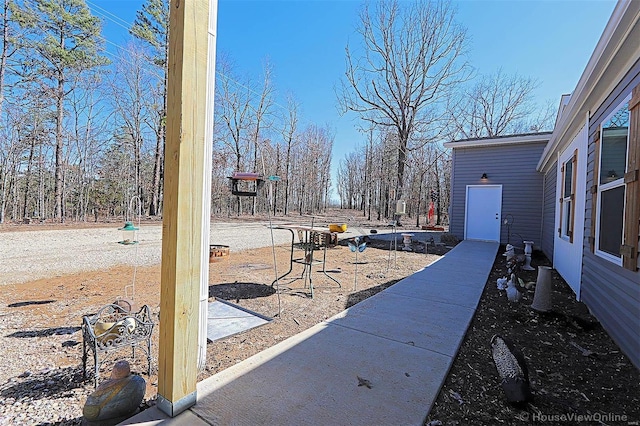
column 183, row 205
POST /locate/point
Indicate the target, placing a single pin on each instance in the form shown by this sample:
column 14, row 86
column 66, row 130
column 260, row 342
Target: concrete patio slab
column 313, row 379
column 226, row 319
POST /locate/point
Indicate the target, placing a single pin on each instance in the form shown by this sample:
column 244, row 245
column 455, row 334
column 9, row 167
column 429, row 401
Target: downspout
column 557, row 218
column 584, row 207
column 544, row 186
column 206, row 188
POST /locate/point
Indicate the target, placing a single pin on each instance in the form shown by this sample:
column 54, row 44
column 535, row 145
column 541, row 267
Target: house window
column 567, row 200
column 611, row 191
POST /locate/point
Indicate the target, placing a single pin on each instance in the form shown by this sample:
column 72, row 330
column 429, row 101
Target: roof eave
column 500, row 140
column 610, row 43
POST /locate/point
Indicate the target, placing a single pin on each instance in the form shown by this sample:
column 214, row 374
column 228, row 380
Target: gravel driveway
column 34, row 254
column 30, row 255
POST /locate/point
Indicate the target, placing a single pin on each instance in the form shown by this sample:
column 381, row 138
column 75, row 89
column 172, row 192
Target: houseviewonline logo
column 575, row 417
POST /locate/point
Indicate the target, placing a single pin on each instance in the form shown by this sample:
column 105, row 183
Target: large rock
column 115, row 399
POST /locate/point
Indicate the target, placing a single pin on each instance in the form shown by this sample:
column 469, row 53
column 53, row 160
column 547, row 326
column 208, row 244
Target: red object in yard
column 431, row 212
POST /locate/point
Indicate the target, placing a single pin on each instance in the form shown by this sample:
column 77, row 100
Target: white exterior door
column 483, row 212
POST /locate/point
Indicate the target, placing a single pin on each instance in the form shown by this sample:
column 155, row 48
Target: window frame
column 604, row 187
column 568, row 201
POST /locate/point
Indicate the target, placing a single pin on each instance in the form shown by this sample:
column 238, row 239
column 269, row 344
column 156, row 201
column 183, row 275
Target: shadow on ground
column 363, row 294
column 30, row 302
column 48, row 383
column 388, row 244
column 55, row 331
column 240, row 290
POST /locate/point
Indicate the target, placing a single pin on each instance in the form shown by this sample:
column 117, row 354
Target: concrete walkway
column 380, row 362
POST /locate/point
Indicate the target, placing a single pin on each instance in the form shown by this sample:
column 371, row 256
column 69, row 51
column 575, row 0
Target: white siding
column 567, row 256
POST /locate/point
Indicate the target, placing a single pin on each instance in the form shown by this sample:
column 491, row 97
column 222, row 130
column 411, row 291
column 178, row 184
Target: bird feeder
column 245, row 184
column 129, row 234
column 401, row 207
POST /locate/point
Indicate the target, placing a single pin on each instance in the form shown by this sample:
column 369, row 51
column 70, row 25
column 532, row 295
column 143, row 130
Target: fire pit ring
column 218, row 252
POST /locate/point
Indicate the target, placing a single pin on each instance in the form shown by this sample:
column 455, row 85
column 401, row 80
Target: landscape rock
column 115, row 399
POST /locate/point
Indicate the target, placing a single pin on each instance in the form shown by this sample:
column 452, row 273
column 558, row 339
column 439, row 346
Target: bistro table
column 311, row 240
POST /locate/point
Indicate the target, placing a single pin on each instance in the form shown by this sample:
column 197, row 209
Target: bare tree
column 233, row 110
column 496, row 105
column 10, row 153
column 310, row 169
column 89, row 136
column 133, row 100
column 410, row 61
column 261, row 118
column 152, row 27
column 349, row 178
column 288, row 132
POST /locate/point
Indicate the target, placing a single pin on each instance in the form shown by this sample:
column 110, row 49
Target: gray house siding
column 611, row 292
column 549, row 211
column 456, row 204
column 513, row 167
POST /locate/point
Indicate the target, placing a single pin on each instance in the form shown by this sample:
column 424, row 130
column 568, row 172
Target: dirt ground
column 40, row 320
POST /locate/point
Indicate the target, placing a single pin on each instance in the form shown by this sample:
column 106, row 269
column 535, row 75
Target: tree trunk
column 286, row 180
column 369, row 178
column 59, row 147
column 5, row 48
column 3, row 196
column 402, row 158
column 41, row 202
column 155, row 183
column 275, row 190
column 418, row 203
column 14, row 192
column 438, row 197
column 255, row 170
column 27, row 178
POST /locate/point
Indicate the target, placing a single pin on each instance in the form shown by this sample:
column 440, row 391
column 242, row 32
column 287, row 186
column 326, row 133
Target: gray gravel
column 30, row 255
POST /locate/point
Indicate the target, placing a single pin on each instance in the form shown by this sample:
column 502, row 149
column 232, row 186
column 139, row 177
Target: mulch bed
column 577, row 373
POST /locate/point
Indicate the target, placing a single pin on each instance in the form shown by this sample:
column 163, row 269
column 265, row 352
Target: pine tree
column 62, row 41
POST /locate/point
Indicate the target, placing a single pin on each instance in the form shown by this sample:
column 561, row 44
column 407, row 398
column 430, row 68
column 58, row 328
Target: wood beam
column 182, row 238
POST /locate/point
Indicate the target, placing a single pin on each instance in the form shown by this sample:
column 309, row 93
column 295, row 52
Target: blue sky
column 304, row 41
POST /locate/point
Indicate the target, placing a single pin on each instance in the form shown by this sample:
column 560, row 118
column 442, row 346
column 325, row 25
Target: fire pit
column 218, row 252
